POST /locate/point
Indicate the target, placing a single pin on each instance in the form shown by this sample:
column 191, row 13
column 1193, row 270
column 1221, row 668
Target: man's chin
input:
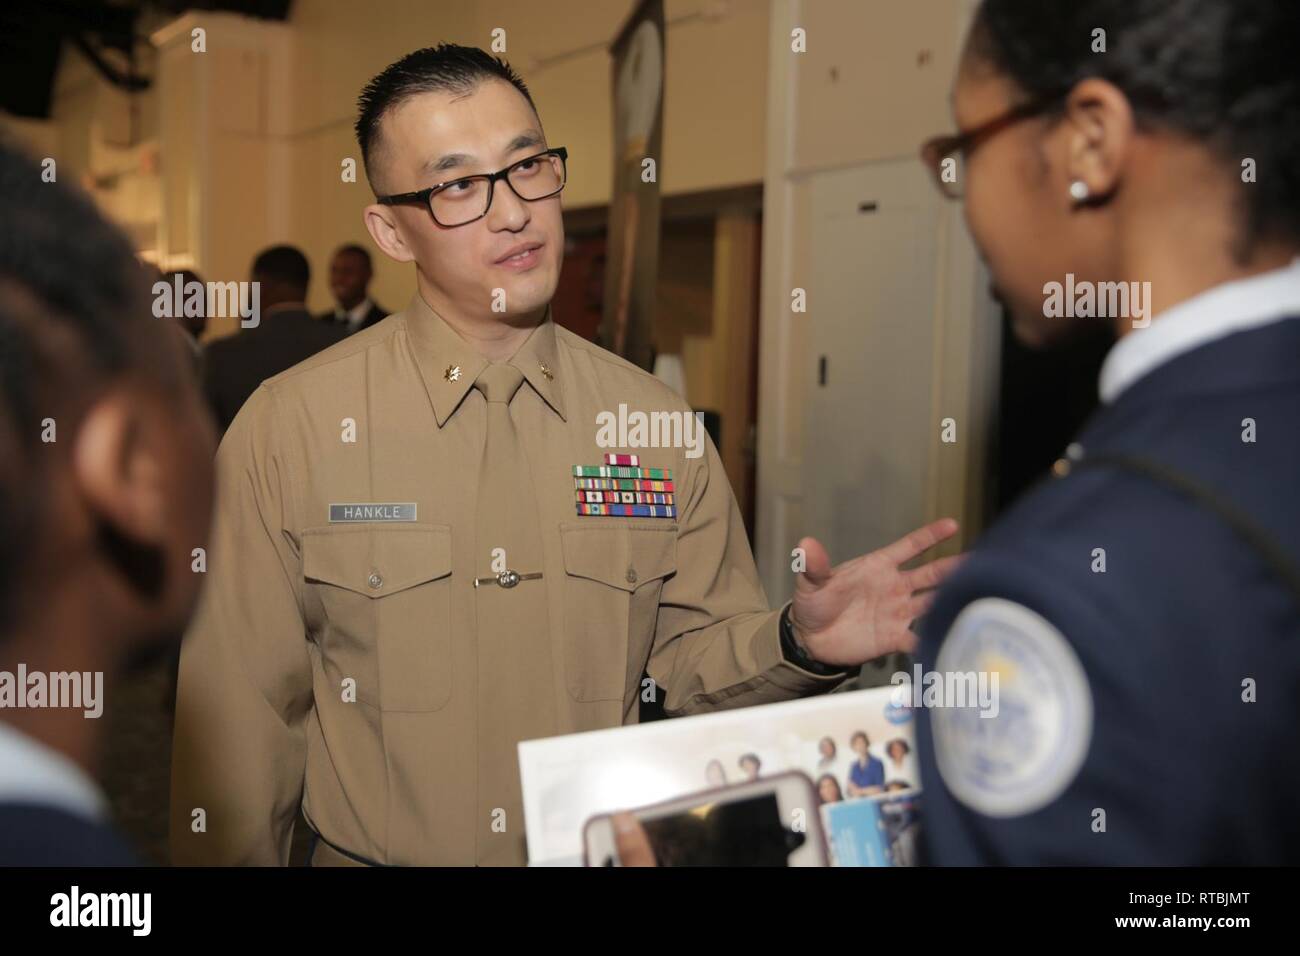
column 526, row 296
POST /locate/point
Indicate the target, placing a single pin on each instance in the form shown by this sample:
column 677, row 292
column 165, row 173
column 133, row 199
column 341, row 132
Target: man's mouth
column 521, row 256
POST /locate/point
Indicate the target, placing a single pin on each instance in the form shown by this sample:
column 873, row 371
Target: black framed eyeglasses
column 462, row 201
column 946, row 156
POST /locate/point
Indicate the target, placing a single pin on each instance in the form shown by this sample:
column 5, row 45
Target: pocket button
column 631, row 575
column 376, row 580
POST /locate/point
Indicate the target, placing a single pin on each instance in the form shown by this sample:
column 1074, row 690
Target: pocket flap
column 376, row 561
column 624, row 556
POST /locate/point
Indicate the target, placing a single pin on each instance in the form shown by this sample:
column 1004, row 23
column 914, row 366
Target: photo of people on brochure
column 857, row 748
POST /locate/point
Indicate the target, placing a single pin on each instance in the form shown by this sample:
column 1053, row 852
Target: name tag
column 404, row 511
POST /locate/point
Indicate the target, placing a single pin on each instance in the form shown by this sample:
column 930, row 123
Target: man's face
column 439, row 137
column 860, row 746
column 349, row 276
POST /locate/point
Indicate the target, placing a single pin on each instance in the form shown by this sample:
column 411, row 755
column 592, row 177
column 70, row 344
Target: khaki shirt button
column 631, row 575
column 375, row 580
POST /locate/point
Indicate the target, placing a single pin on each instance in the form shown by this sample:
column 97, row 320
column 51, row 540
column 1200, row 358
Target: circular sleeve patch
column 1021, row 755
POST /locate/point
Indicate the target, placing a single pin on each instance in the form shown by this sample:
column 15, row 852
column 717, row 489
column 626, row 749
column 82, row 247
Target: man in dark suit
column 350, row 274
column 105, row 461
column 284, row 336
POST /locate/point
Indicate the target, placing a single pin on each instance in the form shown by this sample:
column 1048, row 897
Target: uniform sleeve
column 245, row 688
column 1052, row 764
column 717, row 645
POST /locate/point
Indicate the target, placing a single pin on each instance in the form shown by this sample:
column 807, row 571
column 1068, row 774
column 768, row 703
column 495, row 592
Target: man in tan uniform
column 421, row 555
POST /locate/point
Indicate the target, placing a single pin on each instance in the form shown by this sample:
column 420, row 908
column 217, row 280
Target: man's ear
column 117, row 466
column 1101, row 130
column 381, row 223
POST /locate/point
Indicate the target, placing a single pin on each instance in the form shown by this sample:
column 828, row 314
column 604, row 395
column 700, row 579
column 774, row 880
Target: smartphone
column 771, row 821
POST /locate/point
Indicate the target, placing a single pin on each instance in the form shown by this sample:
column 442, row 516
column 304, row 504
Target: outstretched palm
column 864, row 608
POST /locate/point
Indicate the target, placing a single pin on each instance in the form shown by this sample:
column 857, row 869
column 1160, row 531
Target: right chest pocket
column 385, row 600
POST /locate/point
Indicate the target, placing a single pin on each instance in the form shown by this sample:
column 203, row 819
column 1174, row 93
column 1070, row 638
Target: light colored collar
column 1214, row 314
column 31, row 772
column 355, row 315
column 450, row 365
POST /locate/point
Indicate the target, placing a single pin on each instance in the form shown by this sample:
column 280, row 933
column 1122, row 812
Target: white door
column 870, row 393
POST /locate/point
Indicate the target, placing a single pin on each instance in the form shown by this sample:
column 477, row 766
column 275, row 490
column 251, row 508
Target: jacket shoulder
column 376, row 336
column 631, row 382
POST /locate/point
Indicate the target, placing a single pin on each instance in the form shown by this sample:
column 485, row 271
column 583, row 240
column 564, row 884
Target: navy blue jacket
column 37, row 835
column 1185, row 771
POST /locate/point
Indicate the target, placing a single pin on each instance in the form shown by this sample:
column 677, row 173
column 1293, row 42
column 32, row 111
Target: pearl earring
column 1078, row 190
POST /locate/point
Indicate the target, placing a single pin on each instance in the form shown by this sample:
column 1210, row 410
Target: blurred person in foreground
column 105, row 459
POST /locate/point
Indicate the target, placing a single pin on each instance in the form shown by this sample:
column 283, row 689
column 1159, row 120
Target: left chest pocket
column 385, row 594
column 614, row 574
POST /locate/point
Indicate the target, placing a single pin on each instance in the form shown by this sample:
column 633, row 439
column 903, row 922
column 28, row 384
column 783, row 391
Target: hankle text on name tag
column 403, row 511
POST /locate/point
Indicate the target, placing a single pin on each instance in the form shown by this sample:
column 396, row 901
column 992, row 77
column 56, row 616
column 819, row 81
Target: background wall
column 904, row 309
column 714, row 118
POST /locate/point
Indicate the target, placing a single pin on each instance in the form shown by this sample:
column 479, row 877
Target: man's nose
column 509, row 213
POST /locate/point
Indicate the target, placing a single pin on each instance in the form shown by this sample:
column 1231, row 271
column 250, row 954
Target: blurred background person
column 350, row 275
column 285, row 335
column 192, row 325
column 105, row 441
column 750, row 766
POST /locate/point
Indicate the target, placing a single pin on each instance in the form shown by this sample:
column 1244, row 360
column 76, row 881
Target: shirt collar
column 1216, row 313
column 354, row 315
column 31, row 772
column 449, row 365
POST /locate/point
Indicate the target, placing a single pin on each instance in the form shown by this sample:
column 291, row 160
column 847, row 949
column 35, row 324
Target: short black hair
column 445, row 68
column 74, row 310
column 353, row 249
column 1219, row 71
column 286, row 264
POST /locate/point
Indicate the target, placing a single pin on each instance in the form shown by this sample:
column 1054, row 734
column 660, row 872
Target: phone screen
column 746, row 832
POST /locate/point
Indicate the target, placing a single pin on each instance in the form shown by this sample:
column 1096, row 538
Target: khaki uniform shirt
column 297, row 608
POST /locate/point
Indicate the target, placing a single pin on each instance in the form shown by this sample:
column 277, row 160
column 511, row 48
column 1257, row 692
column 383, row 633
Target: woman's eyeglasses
column 946, row 155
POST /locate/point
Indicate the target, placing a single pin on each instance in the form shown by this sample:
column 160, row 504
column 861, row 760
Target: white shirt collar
column 31, row 772
column 355, row 315
column 1218, row 312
